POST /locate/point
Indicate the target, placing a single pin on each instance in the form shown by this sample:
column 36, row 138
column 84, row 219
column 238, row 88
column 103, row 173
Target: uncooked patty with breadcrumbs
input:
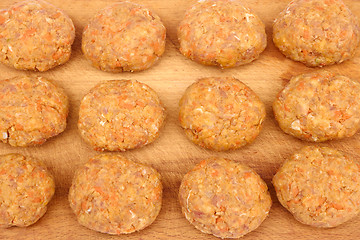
column 26, row 187
column 319, row 106
column 35, row 35
column 221, row 113
column 119, row 115
column 113, row 195
column 222, row 33
column 124, row 37
column 32, row 109
column 224, row 198
column 320, row 186
column 317, row 32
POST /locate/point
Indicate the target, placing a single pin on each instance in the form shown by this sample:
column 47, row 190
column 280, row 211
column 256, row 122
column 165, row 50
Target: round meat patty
column 222, row 33
column 319, row 106
column 124, row 37
column 113, row 195
column 26, row 187
column 119, row 115
column 35, row 35
column 320, row 186
column 224, row 198
column 221, row 113
column 317, row 32
column 32, row 109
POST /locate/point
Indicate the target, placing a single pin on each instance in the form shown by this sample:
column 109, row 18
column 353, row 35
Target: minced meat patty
column 113, row 195
column 319, row 106
column 32, row 110
column 26, row 187
column 124, row 37
column 222, row 33
column 224, row 198
column 35, row 35
column 119, row 115
column 221, row 113
column 317, row 32
column 320, row 186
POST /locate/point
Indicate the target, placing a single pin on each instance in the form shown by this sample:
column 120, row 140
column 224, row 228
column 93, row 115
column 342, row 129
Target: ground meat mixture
column 35, row 35
column 119, row 115
column 26, row 187
column 124, row 37
column 317, row 32
column 320, row 186
column 224, row 198
column 32, row 109
column 221, row 113
column 222, row 33
column 319, row 106
column 113, row 195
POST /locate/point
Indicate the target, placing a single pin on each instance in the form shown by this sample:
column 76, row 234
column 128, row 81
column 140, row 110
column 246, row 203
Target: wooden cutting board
column 173, row 154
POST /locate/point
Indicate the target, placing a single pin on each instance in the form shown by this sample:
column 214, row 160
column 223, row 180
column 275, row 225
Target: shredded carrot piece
column 28, row 33
column 57, row 55
column 56, row 15
column 2, row 19
column 48, row 37
column 337, row 206
column 215, row 173
column 19, row 127
column 295, row 191
column 247, row 175
column 128, row 106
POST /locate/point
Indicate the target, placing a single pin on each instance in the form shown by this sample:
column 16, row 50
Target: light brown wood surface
column 173, row 154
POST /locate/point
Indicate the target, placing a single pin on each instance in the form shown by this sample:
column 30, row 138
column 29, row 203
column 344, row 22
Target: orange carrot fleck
column 102, row 193
column 338, row 114
column 57, row 55
column 140, row 103
column 305, row 52
column 322, row 200
column 56, row 15
column 19, row 127
column 2, row 19
column 306, row 34
column 338, row 206
column 48, row 37
column 99, row 190
column 83, row 205
column 295, row 191
column 301, row 86
column 125, row 25
column 220, row 219
column 28, row 33
column 215, row 173
column 128, row 106
column 286, row 108
column 14, row 9
column 36, row 200
column 247, row 175
column 236, row 88
column 345, row 116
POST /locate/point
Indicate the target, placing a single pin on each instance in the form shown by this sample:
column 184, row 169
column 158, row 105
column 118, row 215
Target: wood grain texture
column 172, row 154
